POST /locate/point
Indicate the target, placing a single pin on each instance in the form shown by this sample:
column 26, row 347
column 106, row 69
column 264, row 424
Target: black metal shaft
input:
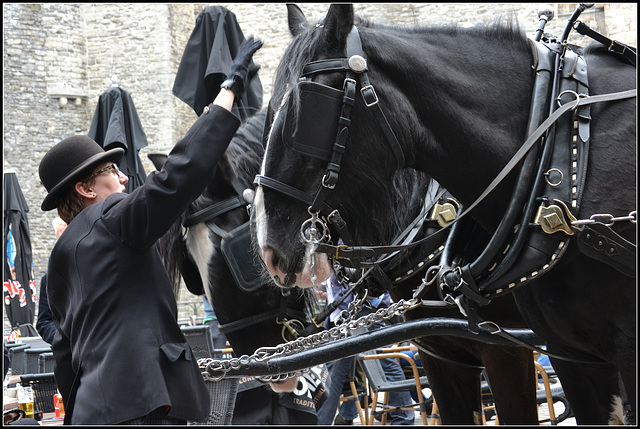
column 340, row 349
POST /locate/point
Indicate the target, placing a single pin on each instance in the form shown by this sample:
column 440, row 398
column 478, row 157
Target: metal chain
column 210, row 366
column 606, row 219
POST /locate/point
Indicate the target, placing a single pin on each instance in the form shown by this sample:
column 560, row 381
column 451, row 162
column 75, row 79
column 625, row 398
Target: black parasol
column 18, row 276
column 206, row 61
column 116, row 124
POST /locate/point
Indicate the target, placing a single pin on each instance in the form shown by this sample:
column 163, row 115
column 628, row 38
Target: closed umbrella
column 116, row 124
column 18, row 275
column 206, row 62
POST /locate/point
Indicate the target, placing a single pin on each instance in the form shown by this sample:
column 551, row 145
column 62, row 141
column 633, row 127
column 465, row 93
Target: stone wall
column 75, row 49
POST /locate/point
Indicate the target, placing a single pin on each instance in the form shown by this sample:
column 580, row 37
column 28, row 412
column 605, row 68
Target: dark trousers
column 155, row 417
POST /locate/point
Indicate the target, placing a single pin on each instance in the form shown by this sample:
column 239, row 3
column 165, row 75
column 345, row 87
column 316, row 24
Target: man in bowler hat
column 120, row 355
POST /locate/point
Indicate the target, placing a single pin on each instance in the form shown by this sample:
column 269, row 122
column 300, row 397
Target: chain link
column 605, row 219
column 210, row 366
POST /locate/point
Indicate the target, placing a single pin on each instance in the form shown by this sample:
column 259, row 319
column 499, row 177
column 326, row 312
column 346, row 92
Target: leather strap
column 600, row 242
column 214, row 210
column 612, row 45
column 258, row 318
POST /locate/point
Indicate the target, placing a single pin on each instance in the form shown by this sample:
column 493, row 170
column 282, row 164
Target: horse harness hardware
column 236, row 249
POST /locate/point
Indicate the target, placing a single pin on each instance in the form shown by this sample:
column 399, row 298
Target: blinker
column 317, row 121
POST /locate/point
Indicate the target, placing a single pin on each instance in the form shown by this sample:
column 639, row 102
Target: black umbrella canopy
column 18, row 276
column 116, row 124
column 207, row 59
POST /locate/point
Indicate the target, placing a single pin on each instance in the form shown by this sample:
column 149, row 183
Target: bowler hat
column 69, row 161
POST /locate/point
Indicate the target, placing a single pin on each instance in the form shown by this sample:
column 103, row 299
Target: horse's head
column 312, row 163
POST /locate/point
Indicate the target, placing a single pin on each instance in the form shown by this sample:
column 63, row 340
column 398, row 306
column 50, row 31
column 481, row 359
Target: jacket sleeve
column 149, row 211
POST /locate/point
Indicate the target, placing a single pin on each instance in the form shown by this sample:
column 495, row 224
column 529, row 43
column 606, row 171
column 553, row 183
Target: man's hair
column 71, row 203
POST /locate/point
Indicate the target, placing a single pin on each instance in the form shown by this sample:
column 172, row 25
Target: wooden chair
column 377, row 383
column 550, row 395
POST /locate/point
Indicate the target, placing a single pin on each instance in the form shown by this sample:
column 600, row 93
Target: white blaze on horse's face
column 309, row 276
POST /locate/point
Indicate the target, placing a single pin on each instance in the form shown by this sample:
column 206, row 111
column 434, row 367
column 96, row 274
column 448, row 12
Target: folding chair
column 45, row 362
column 200, row 341
column 44, row 387
column 377, row 382
column 17, row 355
column 32, row 357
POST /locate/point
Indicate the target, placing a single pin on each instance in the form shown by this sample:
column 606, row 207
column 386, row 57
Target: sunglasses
column 113, row 168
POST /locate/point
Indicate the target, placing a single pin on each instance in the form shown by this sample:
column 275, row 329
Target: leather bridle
column 315, row 229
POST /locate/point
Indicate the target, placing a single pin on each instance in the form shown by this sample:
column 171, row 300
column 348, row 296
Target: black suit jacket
column 44, row 325
column 120, row 353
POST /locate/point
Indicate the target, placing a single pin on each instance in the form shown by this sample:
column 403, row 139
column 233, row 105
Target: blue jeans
column 338, row 372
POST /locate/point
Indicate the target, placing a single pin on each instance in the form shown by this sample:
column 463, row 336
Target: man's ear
column 84, row 190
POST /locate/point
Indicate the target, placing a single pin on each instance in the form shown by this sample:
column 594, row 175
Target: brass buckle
column 341, row 246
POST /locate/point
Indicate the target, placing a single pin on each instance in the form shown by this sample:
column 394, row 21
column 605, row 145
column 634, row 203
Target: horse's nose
column 271, row 261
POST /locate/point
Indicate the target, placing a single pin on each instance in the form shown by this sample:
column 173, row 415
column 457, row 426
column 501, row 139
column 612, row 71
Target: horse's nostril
column 275, row 259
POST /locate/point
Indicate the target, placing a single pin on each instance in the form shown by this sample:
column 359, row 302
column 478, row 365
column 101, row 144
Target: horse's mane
column 246, row 150
column 305, row 47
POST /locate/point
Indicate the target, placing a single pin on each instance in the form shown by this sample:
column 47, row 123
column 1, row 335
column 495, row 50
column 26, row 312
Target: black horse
column 456, row 103
column 252, row 311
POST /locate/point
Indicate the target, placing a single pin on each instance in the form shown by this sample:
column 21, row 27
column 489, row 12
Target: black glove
column 241, row 72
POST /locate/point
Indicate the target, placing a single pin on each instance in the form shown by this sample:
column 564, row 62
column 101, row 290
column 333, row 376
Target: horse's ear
column 297, row 21
column 338, row 22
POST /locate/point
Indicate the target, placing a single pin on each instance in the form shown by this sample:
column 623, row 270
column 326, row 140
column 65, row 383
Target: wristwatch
column 233, row 84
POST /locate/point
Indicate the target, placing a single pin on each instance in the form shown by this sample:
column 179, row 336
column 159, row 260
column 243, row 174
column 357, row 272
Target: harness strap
column 494, row 329
column 258, row 318
column 268, row 182
column 214, row 210
column 371, row 99
column 612, row 45
column 600, row 242
column 364, row 252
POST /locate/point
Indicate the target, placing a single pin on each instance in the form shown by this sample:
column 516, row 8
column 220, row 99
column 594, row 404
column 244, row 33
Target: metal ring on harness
column 310, row 231
column 548, row 173
column 576, row 101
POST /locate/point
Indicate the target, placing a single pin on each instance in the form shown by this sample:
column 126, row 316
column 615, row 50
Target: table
column 49, row 419
column 9, row 403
